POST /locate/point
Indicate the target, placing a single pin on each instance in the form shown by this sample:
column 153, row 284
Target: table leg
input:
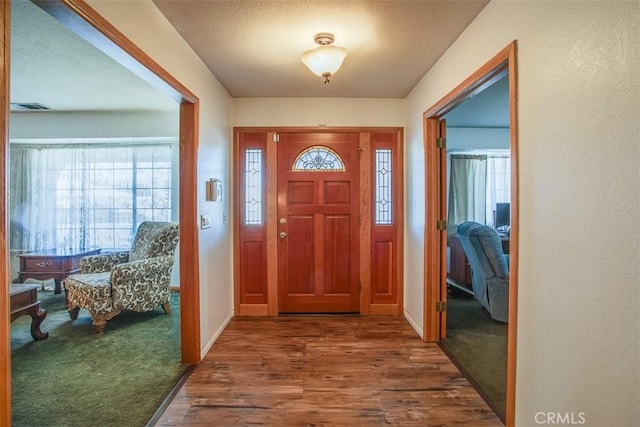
column 58, row 288
column 37, row 316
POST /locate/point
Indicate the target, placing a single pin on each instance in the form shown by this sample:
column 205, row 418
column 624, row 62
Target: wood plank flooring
column 325, row 371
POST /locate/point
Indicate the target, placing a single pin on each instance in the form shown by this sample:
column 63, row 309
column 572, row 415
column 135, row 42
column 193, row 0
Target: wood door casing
column 503, row 62
column 318, row 259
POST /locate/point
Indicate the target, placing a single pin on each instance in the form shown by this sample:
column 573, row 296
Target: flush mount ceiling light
column 325, row 60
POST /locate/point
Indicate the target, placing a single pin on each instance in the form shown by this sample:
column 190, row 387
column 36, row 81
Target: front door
column 318, row 223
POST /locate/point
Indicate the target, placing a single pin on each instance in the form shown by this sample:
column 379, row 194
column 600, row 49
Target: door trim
column 5, row 328
column 90, row 25
column 270, row 307
column 501, row 63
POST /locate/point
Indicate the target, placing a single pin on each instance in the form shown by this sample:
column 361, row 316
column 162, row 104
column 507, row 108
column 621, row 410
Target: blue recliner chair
column 489, row 268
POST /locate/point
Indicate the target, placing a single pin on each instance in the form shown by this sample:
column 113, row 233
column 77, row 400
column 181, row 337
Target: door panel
column 300, row 247
column 318, row 246
column 337, row 252
column 300, row 193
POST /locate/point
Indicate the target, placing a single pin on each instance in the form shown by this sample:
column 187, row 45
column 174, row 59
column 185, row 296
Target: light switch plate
column 205, row 221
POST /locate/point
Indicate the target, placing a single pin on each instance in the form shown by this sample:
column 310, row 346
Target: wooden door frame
column 366, row 306
column 81, row 18
column 501, row 63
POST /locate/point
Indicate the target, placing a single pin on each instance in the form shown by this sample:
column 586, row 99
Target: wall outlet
column 205, row 221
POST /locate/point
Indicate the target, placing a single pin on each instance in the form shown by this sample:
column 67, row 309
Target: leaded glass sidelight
column 253, row 186
column 318, row 158
column 383, row 188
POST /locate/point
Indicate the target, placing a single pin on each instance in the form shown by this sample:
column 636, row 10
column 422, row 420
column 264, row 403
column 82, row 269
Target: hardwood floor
column 325, row 371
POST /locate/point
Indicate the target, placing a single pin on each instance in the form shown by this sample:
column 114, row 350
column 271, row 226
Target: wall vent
column 32, row 106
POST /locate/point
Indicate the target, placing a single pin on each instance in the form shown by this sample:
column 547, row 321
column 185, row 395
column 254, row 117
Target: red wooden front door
column 318, row 223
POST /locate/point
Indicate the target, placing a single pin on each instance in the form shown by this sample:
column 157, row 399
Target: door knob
column 283, row 235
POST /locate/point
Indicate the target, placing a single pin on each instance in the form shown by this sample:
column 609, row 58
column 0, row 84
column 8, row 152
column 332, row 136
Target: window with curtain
column 498, row 184
column 89, row 195
column 477, row 182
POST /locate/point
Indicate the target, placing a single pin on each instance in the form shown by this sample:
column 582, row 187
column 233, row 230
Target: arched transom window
column 318, row 158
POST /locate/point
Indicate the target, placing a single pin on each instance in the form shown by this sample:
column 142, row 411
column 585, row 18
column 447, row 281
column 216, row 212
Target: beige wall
column 317, row 112
column 162, row 42
column 579, row 115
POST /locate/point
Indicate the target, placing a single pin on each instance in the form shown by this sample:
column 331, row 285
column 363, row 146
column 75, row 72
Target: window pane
column 144, row 178
column 162, row 178
column 103, row 193
column 144, row 198
column 383, row 202
column 122, row 238
column 318, row 158
column 144, row 215
column 123, row 198
column 253, row 186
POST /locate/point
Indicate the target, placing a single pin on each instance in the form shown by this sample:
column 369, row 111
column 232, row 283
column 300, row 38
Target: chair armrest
column 151, row 275
column 102, row 262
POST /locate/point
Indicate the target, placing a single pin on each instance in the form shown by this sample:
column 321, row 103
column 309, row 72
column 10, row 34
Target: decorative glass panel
column 318, row 158
column 383, row 187
column 253, row 186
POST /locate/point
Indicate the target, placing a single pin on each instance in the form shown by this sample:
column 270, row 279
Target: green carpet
column 478, row 345
column 75, row 378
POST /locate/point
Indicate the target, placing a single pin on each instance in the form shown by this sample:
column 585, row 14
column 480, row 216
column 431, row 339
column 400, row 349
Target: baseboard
column 215, row 336
column 413, row 324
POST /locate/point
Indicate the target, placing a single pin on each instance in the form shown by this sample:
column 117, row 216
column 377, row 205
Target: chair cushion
column 489, row 241
column 91, row 286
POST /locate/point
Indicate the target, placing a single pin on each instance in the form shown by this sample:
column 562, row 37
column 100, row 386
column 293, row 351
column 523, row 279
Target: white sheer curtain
column 467, row 189
column 31, row 199
column 498, row 183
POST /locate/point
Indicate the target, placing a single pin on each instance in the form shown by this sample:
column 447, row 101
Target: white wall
column 329, row 112
column 579, row 275
column 143, row 23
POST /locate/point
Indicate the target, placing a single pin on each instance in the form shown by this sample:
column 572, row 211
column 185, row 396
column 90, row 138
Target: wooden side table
column 54, row 264
column 24, row 301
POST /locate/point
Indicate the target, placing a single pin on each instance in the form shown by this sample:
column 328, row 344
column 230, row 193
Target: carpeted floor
column 75, row 378
column 478, row 345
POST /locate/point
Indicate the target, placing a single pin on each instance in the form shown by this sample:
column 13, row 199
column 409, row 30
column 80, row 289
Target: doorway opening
column 86, row 22
column 436, row 238
column 478, row 194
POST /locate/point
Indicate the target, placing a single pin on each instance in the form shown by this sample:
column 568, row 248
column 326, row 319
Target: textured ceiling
column 253, row 46
column 51, row 65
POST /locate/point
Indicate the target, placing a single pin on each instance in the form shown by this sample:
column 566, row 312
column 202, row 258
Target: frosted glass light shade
column 324, row 60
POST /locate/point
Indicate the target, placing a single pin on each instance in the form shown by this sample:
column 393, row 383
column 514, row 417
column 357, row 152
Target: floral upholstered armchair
column 135, row 280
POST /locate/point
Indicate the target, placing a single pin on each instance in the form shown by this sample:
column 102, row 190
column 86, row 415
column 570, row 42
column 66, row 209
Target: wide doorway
column 318, row 221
